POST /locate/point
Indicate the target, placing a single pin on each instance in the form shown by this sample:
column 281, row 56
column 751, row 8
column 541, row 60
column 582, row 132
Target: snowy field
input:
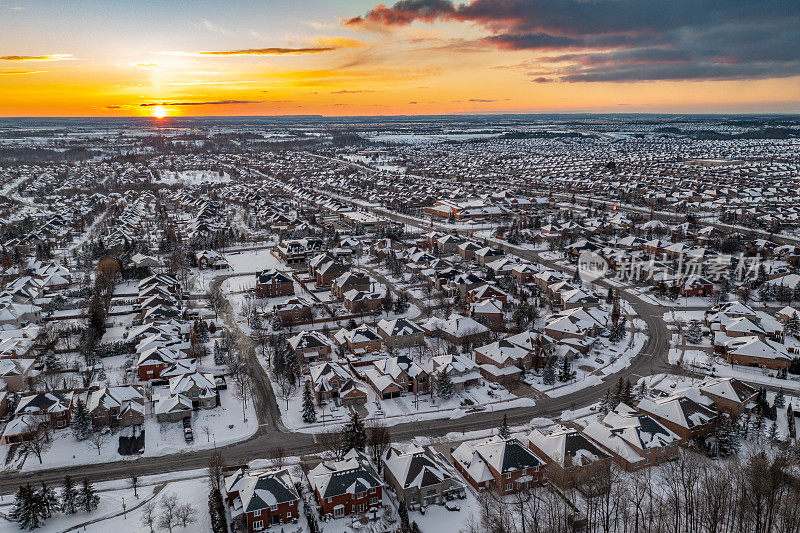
column 190, row 487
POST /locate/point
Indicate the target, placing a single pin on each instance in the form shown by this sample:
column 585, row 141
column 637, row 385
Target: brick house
column 681, row 414
column 55, row 408
column 728, row 394
column 401, row 333
column 294, row 310
column 116, row 406
column 272, row 283
column 634, row 440
column 310, row 346
column 417, row 478
column 262, row 500
column 350, row 281
column 349, row 486
column 503, row 465
column 572, row 459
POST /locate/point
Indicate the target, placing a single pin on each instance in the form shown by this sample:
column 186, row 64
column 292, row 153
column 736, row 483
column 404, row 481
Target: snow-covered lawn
column 193, row 491
column 225, row 424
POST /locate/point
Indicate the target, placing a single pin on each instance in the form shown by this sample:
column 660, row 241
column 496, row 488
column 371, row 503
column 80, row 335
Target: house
column 753, row 351
column 272, row 283
column 310, row 346
column 503, row 361
column 357, row 301
column 489, row 312
column 173, row 408
column 201, row 389
column 462, row 370
column 327, row 378
column 211, row 260
column 504, row 465
column 350, row 281
column 404, row 372
column 401, row 333
column 349, row 486
column 14, row 373
column 417, row 477
column 53, row 408
column 155, row 360
column 298, row 251
column 467, row 250
column 458, row 329
column 120, row 406
column 572, row 459
column 294, row 310
column 682, row 415
column 325, row 272
column 634, row 440
column 361, row 340
column 728, row 394
column 487, row 254
column 263, row 499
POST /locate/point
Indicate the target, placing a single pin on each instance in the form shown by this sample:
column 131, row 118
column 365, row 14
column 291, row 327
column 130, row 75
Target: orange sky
column 312, row 67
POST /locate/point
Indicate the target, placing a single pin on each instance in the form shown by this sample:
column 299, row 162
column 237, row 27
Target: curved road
column 272, row 434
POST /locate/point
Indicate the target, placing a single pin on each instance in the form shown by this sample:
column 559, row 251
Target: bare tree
column 207, row 432
column 97, row 439
column 277, row 456
column 331, row 443
column 216, row 465
column 149, row 515
column 169, row 507
column 185, row 514
column 133, row 481
column 241, row 380
column 378, row 440
column 39, row 440
column 286, row 388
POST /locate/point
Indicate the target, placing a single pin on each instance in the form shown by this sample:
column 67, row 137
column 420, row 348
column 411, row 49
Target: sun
column 159, row 112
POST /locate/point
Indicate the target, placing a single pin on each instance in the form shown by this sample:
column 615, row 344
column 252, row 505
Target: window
column 536, row 468
column 257, row 513
column 373, row 490
column 289, row 514
column 402, row 380
column 509, row 486
column 373, row 501
column 508, row 476
column 274, row 508
column 421, row 379
column 259, row 524
column 330, row 500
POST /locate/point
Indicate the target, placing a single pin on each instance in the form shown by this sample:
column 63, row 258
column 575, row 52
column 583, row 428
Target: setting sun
column 159, row 112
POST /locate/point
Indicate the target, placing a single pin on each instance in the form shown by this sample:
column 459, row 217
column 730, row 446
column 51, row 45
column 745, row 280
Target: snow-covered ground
column 192, row 177
column 225, row 423
column 190, row 487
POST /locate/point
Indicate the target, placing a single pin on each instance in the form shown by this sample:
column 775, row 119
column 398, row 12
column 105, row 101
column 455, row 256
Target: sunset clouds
column 624, row 40
column 364, row 57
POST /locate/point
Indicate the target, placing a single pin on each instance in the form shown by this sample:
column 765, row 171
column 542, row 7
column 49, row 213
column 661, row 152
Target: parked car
column 187, row 435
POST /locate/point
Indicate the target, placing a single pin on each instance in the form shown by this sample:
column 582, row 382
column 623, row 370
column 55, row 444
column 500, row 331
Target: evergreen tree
column 780, row 400
column 80, row 421
column 605, row 403
column 694, row 334
column 641, row 392
column 26, row 511
column 354, row 436
column 566, row 373
column 219, row 356
column 504, row 432
column 610, row 296
column 444, row 386
column 415, row 528
column 309, row 412
column 617, row 332
column 87, row 497
column 726, row 436
column 618, row 393
column 351, row 325
column 277, row 323
column 402, row 511
column 216, row 511
column 69, row 496
column 773, row 432
column 549, row 371
column 201, row 329
column 615, row 311
column 627, row 393
column 791, row 422
column 792, row 326
column 48, row 500
column 401, row 304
